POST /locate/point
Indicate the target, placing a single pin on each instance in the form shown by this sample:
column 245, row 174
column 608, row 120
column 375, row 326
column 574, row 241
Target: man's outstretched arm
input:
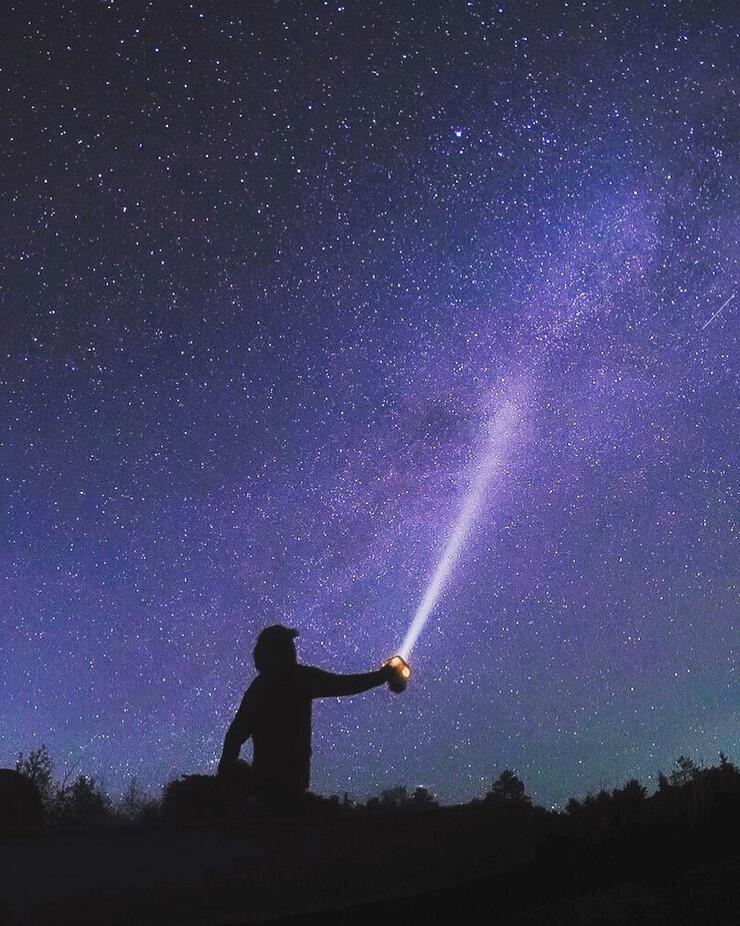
column 321, row 684
column 238, row 733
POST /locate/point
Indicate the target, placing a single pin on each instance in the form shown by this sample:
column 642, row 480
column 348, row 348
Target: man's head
column 275, row 648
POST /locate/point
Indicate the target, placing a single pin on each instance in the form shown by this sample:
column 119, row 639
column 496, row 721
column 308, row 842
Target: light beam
column 502, row 430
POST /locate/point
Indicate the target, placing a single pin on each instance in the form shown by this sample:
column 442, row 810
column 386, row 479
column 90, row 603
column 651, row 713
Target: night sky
column 267, row 272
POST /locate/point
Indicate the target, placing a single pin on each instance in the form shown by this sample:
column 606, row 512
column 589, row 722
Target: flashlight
column 401, row 676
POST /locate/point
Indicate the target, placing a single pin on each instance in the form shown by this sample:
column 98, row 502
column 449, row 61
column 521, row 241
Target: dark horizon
column 679, row 773
column 214, row 848
column 271, row 271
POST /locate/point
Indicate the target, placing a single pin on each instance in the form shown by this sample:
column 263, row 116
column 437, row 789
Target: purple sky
column 268, row 270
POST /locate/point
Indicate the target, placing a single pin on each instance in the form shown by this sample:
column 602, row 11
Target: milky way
column 267, row 269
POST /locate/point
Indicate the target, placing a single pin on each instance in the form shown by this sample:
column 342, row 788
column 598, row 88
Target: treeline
column 82, row 802
column 689, row 792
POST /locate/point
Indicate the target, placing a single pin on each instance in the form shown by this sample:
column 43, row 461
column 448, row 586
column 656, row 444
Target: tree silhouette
column 507, row 790
column 689, row 794
column 398, row 799
column 83, row 803
column 136, row 805
column 726, row 765
column 39, row 768
column 422, row 799
column 628, row 803
column 685, row 772
column 632, row 792
column 629, row 798
column 394, row 798
column 604, row 840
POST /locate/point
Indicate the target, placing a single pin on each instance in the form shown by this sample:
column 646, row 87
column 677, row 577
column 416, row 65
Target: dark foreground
column 443, row 865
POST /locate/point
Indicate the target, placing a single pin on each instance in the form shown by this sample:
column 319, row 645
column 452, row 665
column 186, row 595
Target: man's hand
column 399, row 674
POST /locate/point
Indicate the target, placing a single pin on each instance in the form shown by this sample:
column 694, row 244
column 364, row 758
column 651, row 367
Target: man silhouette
column 276, row 712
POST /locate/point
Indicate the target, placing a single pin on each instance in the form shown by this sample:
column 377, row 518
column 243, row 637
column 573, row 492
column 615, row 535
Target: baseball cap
column 276, row 632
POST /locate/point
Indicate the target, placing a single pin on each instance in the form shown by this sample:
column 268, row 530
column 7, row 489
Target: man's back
column 278, row 713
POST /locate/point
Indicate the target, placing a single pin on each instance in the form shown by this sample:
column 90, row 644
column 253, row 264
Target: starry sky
column 268, row 270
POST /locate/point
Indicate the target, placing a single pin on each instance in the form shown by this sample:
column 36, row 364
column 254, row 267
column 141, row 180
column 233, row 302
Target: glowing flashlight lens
column 402, row 671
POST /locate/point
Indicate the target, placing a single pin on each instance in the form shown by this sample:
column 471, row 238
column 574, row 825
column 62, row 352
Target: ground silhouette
column 212, row 850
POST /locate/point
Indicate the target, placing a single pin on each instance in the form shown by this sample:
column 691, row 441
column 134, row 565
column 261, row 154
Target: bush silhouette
column 423, row 799
column 517, row 858
column 198, row 798
column 39, row 768
column 84, row 803
column 689, row 798
column 136, row 806
column 20, row 802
